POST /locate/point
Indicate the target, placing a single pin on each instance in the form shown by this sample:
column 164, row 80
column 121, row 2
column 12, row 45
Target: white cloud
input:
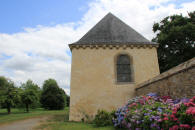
column 38, row 54
column 42, row 52
column 136, row 13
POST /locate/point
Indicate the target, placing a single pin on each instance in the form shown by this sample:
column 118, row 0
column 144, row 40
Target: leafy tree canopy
column 176, row 38
column 30, row 85
column 30, row 94
column 3, row 83
column 9, row 94
column 67, row 100
column 52, row 97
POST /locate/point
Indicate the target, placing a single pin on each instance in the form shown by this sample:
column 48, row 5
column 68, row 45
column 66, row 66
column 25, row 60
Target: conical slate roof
column 111, row 30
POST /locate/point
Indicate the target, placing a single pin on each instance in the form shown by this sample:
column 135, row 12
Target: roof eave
column 77, row 45
column 114, row 43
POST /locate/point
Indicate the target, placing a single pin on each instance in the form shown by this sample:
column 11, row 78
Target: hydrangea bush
column 152, row 112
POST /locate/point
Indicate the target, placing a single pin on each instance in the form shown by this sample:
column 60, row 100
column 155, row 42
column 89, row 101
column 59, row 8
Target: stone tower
column 107, row 63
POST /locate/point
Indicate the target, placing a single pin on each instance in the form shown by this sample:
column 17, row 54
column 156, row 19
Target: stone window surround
column 131, row 68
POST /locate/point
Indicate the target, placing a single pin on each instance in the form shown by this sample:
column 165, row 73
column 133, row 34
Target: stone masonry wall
column 177, row 82
column 93, row 78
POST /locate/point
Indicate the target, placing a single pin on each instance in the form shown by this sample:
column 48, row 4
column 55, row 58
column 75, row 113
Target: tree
column 9, row 94
column 176, row 38
column 3, row 83
column 67, row 100
column 52, row 97
column 30, row 94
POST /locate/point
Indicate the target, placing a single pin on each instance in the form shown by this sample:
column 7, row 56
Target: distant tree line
column 30, row 95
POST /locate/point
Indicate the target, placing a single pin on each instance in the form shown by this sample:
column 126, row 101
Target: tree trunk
column 27, row 108
column 8, row 108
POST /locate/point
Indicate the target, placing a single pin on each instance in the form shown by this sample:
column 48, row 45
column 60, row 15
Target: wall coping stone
column 175, row 70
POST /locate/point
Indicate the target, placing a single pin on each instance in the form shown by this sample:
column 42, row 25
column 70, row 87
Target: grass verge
column 19, row 114
column 72, row 126
column 58, row 119
column 60, row 122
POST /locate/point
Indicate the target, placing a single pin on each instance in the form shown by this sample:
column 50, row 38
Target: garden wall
column 177, row 82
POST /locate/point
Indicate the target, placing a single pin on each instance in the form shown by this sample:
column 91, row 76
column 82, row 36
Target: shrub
column 153, row 112
column 103, row 118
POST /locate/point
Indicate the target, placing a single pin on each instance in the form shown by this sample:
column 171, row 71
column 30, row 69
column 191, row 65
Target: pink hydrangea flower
column 165, row 115
column 175, row 127
column 185, row 126
column 174, row 112
column 190, row 110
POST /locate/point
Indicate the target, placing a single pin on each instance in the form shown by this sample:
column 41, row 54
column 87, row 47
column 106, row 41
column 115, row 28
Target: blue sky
column 17, row 14
column 34, row 34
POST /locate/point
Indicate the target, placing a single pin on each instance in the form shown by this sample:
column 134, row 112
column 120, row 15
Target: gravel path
column 27, row 124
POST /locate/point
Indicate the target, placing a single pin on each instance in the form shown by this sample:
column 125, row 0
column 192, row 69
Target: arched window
column 123, row 68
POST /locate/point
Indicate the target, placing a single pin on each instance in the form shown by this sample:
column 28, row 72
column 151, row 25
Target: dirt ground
column 27, row 124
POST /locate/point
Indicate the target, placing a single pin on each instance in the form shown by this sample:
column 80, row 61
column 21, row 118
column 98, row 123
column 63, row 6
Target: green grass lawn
column 58, row 119
column 73, row 126
column 60, row 122
column 20, row 114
